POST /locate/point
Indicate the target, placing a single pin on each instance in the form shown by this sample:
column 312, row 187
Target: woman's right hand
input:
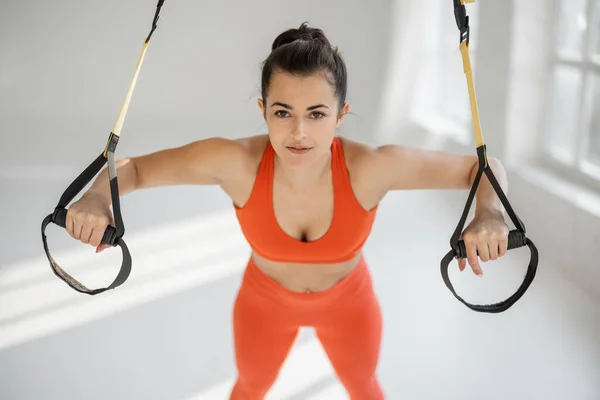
column 88, row 218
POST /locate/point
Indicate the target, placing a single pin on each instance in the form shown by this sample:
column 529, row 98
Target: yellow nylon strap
column 121, row 117
column 464, row 50
column 467, row 68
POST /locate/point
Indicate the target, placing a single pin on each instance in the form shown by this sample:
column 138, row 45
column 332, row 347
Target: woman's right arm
column 204, row 162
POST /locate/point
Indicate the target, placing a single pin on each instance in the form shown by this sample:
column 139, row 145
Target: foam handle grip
column 60, row 218
column 516, row 239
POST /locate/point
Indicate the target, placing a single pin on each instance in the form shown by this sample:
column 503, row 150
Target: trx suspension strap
column 517, row 237
column 113, row 236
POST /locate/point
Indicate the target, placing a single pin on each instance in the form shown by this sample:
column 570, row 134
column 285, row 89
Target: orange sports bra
column 350, row 227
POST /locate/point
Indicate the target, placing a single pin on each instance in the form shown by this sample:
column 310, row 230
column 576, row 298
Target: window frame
column 579, row 171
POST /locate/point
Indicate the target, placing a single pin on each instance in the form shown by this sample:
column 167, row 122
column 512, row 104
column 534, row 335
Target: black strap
column 462, row 21
column 112, row 235
column 156, row 17
column 516, row 238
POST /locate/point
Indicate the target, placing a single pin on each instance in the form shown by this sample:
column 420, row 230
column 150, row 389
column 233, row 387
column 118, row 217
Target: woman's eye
column 284, row 114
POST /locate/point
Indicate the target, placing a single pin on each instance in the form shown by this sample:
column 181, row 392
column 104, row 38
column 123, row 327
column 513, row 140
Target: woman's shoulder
column 254, row 146
column 364, row 172
column 359, row 156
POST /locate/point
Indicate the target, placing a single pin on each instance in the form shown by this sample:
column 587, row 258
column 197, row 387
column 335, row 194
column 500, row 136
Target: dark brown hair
column 304, row 51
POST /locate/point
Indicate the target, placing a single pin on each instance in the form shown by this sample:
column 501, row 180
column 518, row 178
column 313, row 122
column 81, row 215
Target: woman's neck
column 300, row 178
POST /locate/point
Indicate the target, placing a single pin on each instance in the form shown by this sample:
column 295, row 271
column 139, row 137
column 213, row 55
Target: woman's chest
column 305, row 215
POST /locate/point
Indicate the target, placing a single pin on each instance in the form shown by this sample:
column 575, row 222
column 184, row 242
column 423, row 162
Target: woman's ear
column 343, row 113
column 261, row 105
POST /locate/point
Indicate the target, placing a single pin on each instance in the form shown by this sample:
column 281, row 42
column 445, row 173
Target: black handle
column 516, row 239
column 60, row 218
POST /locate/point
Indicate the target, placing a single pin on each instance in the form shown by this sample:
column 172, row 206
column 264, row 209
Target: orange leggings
column 267, row 318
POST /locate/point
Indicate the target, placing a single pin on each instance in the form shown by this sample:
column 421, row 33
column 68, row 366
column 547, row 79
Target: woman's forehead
column 288, row 88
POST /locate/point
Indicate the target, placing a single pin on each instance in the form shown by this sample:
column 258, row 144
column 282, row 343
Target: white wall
column 66, row 66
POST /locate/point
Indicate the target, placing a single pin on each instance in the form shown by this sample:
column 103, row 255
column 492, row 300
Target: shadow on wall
column 32, row 200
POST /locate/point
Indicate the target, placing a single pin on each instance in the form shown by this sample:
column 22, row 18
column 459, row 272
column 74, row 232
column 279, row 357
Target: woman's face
column 302, row 115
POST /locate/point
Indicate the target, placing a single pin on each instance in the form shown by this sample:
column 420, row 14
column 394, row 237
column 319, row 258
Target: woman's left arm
column 406, row 168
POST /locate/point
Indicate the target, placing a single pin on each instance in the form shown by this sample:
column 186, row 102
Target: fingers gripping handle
column 110, row 234
column 59, row 217
column 516, row 239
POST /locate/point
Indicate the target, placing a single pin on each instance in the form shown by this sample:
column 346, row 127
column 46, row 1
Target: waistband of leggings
column 349, row 283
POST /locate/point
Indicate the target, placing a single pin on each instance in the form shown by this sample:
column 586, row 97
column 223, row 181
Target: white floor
column 166, row 333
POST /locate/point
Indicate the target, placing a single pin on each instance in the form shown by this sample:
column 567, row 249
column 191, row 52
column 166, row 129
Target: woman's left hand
column 487, row 235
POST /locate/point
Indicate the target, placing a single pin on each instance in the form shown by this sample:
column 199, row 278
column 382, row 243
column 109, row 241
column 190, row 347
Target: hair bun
column 303, row 33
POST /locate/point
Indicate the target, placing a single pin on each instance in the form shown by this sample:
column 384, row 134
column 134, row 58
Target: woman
column 306, row 201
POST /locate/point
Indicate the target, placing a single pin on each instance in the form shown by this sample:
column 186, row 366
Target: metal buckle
column 462, row 21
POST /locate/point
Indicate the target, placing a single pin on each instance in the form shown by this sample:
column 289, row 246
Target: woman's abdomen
column 305, row 278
